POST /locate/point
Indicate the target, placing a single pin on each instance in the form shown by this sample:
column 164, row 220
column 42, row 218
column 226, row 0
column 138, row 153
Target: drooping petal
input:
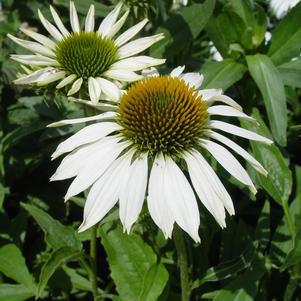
column 203, row 185
column 229, row 162
column 102, row 116
column 94, row 168
column 123, row 75
column 117, row 26
column 133, row 192
column 68, row 80
column 59, row 22
column 181, row 199
column 88, row 134
column 94, row 89
column 138, row 45
column 194, row 79
column 34, row 60
column 239, row 150
column 130, row 33
column 104, row 193
column 34, row 76
column 109, row 88
column 108, row 22
column 238, row 131
column 46, row 79
column 75, row 87
column 150, row 72
column 33, row 46
column 50, row 28
column 74, row 18
column 208, row 94
column 177, row 71
column 221, row 98
column 137, row 63
column 156, row 201
column 90, row 19
column 39, row 38
column 229, row 111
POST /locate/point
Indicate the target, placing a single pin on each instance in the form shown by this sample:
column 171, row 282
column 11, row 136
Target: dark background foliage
column 257, row 257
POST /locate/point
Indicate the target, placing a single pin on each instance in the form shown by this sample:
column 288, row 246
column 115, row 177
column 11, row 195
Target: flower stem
column 93, row 256
column 183, row 263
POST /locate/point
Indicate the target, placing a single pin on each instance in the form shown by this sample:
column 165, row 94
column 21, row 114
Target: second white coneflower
column 163, row 125
column 95, row 62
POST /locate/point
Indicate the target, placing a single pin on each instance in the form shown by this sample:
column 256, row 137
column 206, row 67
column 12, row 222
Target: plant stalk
column 183, row 264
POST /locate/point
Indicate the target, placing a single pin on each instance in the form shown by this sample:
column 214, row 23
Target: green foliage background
column 257, row 257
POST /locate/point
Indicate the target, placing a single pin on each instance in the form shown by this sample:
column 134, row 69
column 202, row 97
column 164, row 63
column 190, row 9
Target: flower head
column 86, row 59
column 163, row 125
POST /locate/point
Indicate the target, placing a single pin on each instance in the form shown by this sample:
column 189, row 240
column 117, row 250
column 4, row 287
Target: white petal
column 229, row 162
column 239, row 150
column 138, row 45
column 207, row 94
column 123, row 75
column 238, row 131
column 108, row 22
column 222, row 98
column 103, row 116
column 203, row 185
column 46, row 79
column 150, row 72
column 59, row 22
column 50, row 28
column 34, row 76
column 33, row 46
column 74, row 162
column 130, row 33
column 90, row 19
column 75, row 87
column 104, row 193
column 98, row 106
column 133, row 192
column 117, row 26
column 194, row 79
column 109, row 88
column 181, row 199
column 68, row 80
column 137, row 63
column 229, row 111
column 39, row 38
column 94, row 89
column 177, row 71
column 94, row 168
column 34, row 60
column 88, row 134
column 156, row 201
column 74, row 18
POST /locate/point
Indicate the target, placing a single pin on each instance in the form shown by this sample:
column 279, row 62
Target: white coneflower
column 281, row 7
column 162, row 124
column 86, row 59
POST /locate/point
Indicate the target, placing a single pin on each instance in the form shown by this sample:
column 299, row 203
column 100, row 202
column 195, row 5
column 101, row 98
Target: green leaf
column 222, row 74
column 56, row 260
column 263, row 227
column 286, row 39
column 14, row 292
column 269, row 82
column 82, row 7
column 291, row 73
column 56, row 234
column 245, row 286
column 130, row 259
column 229, row 268
column 79, row 282
column 181, row 27
column 12, row 265
column 153, row 283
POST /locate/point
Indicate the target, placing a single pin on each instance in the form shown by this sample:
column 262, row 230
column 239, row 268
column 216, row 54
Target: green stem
column 183, row 263
column 94, row 259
